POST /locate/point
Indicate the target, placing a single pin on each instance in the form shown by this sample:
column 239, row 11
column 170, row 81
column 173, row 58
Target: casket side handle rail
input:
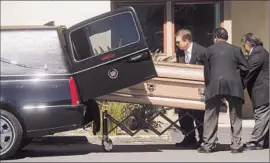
column 201, row 91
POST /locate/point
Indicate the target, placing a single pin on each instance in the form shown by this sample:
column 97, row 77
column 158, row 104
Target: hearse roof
column 30, row 27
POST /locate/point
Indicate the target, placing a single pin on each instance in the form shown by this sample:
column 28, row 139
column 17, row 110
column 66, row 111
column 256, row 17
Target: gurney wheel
column 107, row 145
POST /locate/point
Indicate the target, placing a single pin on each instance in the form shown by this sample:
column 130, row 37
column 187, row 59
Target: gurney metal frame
column 106, row 118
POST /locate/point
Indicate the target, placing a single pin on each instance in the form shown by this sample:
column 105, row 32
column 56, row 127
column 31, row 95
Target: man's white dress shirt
column 188, row 54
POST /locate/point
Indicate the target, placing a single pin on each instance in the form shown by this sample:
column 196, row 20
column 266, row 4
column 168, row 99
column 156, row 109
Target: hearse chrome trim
column 28, row 107
column 38, row 75
column 27, row 80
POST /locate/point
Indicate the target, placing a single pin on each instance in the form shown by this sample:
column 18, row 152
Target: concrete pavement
column 77, row 149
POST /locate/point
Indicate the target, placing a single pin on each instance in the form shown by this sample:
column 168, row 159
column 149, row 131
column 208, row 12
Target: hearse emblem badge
column 113, row 73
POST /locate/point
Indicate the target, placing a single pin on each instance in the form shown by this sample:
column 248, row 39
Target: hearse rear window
column 104, row 35
column 30, row 51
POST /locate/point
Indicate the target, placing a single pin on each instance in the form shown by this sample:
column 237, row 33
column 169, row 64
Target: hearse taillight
column 73, row 91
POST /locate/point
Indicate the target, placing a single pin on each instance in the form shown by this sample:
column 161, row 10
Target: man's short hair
column 221, row 33
column 185, row 34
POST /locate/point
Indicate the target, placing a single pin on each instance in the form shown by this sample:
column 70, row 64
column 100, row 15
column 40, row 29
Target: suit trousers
column 187, row 123
column 261, row 129
column 211, row 116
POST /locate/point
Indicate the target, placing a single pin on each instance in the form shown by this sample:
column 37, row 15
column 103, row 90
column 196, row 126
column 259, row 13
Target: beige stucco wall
column 40, row 12
column 250, row 16
column 241, row 17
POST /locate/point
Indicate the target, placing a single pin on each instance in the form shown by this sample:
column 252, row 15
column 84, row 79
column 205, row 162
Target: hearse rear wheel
column 10, row 134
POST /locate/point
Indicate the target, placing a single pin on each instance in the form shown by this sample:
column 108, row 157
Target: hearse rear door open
column 108, row 53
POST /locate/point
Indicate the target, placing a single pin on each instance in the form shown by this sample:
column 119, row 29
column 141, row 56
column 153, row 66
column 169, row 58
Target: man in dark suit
column 189, row 52
column 257, row 82
column 224, row 70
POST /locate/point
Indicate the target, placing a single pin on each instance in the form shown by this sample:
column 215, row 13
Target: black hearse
column 50, row 76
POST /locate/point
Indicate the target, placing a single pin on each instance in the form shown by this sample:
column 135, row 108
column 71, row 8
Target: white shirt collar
column 250, row 51
column 188, row 53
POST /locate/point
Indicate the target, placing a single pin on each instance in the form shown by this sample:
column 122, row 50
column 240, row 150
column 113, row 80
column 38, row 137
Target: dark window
column 151, row 17
column 104, row 35
column 34, row 49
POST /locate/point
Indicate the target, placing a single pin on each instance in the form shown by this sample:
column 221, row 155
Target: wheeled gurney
column 177, row 86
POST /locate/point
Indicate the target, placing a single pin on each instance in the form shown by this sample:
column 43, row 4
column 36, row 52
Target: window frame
column 93, row 55
column 151, row 3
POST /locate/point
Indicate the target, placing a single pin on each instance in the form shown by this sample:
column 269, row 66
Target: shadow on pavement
column 79, row 145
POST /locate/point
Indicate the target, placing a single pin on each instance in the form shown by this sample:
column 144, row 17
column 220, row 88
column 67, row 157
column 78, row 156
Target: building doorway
column 199, row 18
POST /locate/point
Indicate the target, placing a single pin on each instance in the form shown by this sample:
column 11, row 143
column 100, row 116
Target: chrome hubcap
column 6, row 134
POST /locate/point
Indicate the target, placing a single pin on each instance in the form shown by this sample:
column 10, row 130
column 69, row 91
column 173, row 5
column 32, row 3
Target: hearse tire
column 11, row 134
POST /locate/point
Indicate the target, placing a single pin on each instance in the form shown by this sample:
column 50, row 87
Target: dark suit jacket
column 197, row 55
column 224, row 70
column 257, row 80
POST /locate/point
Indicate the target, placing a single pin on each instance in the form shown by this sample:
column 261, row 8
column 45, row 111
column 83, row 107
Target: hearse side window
column 104, row 35
column 29, row 51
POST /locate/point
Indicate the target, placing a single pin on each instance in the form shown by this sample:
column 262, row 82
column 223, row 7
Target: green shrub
column 117, row 110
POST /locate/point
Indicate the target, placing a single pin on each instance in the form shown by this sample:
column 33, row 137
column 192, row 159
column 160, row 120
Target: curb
column 132, row 139
column 166, row 137
column 119, row 138
column 245, row 123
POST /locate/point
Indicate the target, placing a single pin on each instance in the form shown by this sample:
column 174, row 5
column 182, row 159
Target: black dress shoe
column 239, row 150
column 185, row 143
column 200, row 143
column 252, row 146
column 203, row 150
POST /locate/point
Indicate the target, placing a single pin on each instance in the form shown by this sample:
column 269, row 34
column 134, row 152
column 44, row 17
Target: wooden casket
column 177, row 86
